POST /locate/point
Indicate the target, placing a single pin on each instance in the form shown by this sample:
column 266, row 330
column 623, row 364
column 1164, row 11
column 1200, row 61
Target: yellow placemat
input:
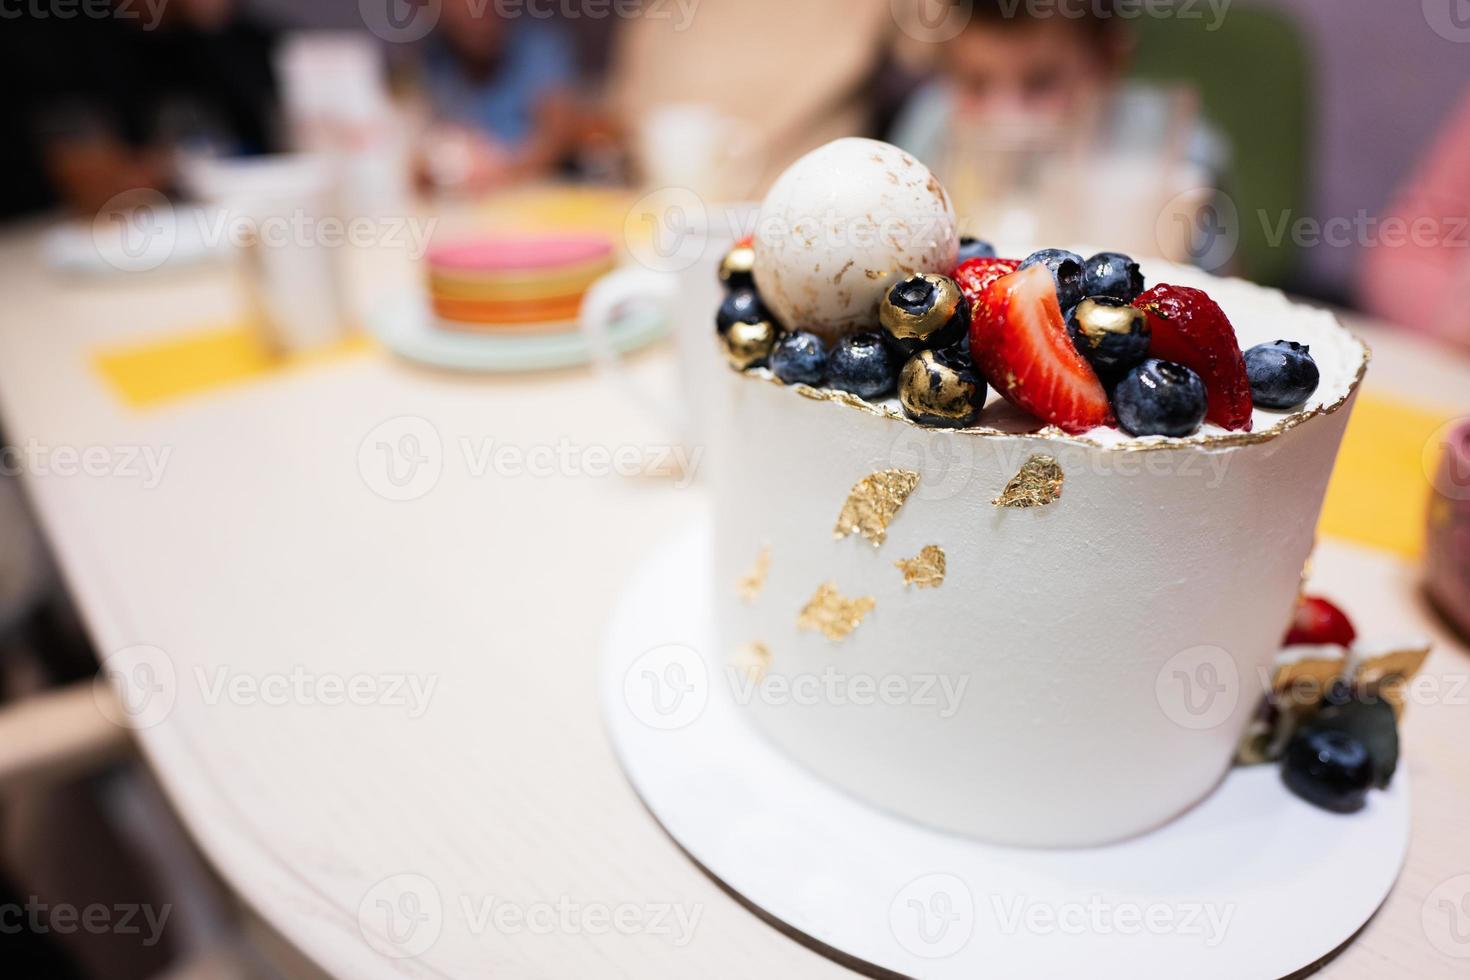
column 1380, row 489
column 161, row 370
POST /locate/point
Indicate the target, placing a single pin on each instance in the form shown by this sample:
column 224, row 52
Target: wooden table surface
column 271, row 574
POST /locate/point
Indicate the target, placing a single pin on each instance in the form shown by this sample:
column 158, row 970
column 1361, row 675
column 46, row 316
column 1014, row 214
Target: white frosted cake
column 994, row 617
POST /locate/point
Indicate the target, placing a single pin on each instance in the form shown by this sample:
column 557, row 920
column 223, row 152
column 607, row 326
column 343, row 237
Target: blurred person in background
column 1417, row 271
column 501, row 91
column 1039, row 74
column 784, row 77
column 108, row 101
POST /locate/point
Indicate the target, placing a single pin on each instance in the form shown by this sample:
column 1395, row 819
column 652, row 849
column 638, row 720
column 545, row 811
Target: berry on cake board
column 1317, row 622
column 1328, row 768
column 1331, row 713
column 1019, row 341
column 1189, row 328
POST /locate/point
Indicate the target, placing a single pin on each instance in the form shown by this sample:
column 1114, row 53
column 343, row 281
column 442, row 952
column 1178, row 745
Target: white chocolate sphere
column 841, row 226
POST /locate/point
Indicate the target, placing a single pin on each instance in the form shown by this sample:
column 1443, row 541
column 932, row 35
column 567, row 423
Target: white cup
column 696, row 147
column 688, row 292
column 278, row 208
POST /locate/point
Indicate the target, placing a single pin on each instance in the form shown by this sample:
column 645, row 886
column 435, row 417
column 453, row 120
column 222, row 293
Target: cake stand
column 1250, row 883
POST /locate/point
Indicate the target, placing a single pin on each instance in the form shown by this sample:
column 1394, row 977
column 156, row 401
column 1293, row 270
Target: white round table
column 365, row 688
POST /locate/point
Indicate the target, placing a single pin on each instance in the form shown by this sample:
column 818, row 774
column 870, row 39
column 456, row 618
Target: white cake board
column 1252, row 883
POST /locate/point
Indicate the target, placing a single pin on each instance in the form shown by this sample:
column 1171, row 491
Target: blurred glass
column 1116, row 175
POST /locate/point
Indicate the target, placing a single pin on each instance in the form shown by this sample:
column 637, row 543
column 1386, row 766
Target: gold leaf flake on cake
column 753, row 660
column 832, row 613
column 1386, row 673
column 925, row 570
column 1304, row 681
column 1038, row 484
column 752, row 582
column 873, row 503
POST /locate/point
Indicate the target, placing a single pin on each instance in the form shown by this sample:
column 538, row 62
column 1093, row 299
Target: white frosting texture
column 1085, row 669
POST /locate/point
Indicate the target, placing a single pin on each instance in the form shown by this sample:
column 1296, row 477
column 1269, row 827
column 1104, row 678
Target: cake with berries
column 1006, row 545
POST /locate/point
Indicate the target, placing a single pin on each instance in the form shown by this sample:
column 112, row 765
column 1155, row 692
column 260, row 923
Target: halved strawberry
column 1019, row 341
column 1318, row 621
column 974, row 276
column 1190, row 328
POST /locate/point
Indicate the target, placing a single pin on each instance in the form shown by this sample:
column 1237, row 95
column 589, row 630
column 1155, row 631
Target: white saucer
column 1252, row 883
column 407, row 326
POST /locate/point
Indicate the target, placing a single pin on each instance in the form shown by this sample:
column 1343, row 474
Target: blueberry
column 1112, row 274
column 1160, row 398
column 741, row 306
column 1110, row 333
column 861, row 363
column 800, row 358
column 1282, row 374
column 1367, row 717
column 1328, row 768
column 1066, row 270
column 924, row 312
column 974, row 248
column 941, row 388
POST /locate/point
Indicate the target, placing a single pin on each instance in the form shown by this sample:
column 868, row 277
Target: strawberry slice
column 1019, row 341
column 1190, row 328
column 1318, row 621
column 975, row 276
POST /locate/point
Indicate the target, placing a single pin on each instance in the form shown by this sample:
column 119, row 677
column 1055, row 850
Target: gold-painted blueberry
column 941, row 388
column 924, row 311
